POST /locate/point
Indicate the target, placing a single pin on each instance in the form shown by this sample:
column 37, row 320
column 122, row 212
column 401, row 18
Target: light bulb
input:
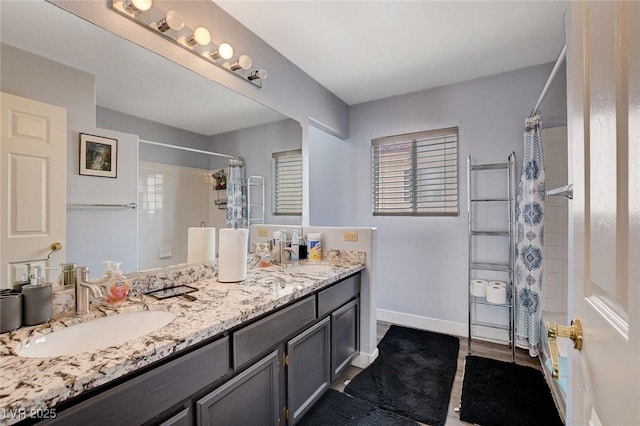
column 200, row 36
column 244, row 62
column 136, row 6
column 259, row 74
column 225, row 51
column 172, row 20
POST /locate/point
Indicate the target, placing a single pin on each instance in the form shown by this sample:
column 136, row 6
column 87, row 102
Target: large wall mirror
column 137, row 95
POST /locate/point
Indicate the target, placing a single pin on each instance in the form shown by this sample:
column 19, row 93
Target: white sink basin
column 95, row 334
column 308, row 268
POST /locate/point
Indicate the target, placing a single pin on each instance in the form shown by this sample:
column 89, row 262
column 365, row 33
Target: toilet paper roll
column 232, row 259
column 201, row 245
column 479, row 288
column 497, row 292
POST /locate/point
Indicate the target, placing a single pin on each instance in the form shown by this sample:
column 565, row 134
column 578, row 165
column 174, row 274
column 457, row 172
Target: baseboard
column 423, row 323
column 362, row 360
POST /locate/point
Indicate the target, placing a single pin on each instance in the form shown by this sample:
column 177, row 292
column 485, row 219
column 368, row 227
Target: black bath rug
column 412, row 376
column 336, row 408
column 496, row 393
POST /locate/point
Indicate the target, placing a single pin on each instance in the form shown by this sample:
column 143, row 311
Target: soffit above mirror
column 129, row 78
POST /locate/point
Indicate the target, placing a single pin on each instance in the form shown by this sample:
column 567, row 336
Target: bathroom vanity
column 258, row 352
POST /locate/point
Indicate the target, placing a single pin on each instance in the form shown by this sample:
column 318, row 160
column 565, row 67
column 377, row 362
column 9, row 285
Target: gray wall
column 92, row 234
column 328, row 173
column 255, row 145
column 157, row 132
column 423, row 260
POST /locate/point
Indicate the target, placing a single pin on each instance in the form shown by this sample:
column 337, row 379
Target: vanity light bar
column 171, row 25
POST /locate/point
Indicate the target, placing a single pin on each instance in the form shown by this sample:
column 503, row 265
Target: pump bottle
column 118, row 285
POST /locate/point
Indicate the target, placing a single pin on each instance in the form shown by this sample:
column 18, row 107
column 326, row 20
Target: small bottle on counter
column 315, row 246
column 24, row 280
column 265, row 256
column 295, row 246
column 118, row 286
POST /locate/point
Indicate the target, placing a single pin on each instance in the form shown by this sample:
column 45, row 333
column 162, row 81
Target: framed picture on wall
column 98, row 156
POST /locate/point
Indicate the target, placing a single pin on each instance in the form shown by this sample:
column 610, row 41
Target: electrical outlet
column 351, row 236
column 262, row 232
column 164, row 253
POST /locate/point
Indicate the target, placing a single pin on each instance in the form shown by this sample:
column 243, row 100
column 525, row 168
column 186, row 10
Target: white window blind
column 287, row 182
column 416, row 174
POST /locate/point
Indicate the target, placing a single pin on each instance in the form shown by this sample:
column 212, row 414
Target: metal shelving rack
column 509, row 200
column 255, row 184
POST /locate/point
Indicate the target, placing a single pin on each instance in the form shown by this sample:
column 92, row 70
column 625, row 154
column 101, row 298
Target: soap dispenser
column 36, row 298
column 118, row 285
column 108, row 271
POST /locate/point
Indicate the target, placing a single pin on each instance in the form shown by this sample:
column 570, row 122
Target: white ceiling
column 366, row 50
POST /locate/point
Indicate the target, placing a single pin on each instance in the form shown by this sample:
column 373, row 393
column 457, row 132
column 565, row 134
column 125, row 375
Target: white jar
column 315, row 246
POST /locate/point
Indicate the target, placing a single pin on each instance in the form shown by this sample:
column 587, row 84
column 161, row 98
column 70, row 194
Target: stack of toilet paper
column 479, row 288
column 494, row 291
column 497, row 292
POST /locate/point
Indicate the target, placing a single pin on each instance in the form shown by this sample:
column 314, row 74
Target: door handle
column 54, row 248
column 573, row 332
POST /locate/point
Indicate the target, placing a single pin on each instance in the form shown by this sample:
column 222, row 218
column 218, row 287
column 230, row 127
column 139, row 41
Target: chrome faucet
column 282, row 249
column 82, row 288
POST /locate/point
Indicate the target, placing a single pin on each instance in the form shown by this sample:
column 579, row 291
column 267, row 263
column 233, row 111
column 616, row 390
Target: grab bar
column 122, row 206
column 563, row 191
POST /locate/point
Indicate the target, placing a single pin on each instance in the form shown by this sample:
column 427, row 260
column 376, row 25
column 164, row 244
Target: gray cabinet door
column 251, row 398
column 183, row 418
column 344, row 337
column 309, row 374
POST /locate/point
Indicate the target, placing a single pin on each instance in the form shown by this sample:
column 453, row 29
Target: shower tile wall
column 171, row 199
column 555, row 279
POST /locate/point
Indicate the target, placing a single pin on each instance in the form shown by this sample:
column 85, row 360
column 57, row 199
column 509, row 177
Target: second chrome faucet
column 82, row 287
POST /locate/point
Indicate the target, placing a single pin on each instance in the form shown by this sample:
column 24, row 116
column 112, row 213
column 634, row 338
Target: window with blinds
column 416, row 174
column 287, row 182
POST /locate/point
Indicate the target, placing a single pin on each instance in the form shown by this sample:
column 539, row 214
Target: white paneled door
column 604, row 159
column 33, row 182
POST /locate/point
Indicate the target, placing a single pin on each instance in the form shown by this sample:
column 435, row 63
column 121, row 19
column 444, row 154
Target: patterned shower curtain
column 237, row 214
column 529, row 240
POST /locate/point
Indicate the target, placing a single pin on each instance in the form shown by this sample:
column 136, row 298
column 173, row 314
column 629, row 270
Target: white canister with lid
column 315, row 245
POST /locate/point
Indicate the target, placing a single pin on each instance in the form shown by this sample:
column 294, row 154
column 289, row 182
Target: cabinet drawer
column 334, row 297
column 141, row 398
column 252, row 340
column 251, row 398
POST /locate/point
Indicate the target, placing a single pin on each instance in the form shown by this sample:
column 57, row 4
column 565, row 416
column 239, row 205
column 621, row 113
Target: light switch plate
column 351, row 236
column 262, row 232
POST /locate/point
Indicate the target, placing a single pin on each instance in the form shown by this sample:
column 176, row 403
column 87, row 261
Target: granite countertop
column 39, row 383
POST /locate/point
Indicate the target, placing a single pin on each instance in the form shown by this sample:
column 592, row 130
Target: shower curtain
column 237, row 214
column 529, row 240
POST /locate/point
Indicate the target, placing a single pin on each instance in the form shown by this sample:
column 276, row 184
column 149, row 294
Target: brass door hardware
column 54, row 248
column 573, row 332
